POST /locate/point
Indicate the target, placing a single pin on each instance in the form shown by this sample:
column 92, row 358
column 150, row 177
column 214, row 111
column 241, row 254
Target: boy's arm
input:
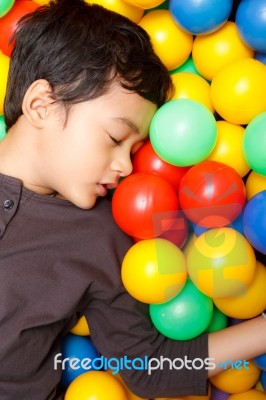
column 243, row 341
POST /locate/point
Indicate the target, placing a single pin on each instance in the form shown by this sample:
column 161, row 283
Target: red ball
column 9, row 22
column 211, row 194
column 145, row 205
column 146, row 160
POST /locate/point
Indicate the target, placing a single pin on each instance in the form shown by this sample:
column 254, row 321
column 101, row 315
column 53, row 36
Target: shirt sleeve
column 121, row 326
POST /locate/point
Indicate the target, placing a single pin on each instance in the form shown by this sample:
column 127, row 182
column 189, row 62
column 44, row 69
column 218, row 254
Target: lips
column 104, row 187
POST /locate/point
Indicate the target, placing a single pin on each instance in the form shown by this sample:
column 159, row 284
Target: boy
column 84, row 84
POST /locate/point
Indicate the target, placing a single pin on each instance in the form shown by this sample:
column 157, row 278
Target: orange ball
column 172, row 45
column 211, row 52
column 229, row 147
column 237, row 380
column 249, row 304
column 238, row 90
column 252, row 394
column 191, row 86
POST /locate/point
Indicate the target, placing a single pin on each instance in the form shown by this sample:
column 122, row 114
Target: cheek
column 136, row 147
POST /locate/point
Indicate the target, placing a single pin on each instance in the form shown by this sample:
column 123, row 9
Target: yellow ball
column 130, row 395
column 4, row 68
column 237, row 380
column 191, row 86
column 252, row 394
column 95, row 385
column 259, row 387
column 228, row 148
column 238, row 90
column 211, row 52
column 128, row 10
column 254, row 184
column 172, row 45
column 42, row 2
column 81, row 328
column 249, row 304
column 154, row 271
column 145, row 4
column 221, row 263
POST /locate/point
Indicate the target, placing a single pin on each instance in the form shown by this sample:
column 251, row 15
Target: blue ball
column 254, row 221
column 263, row 379
column 260, row 361
column 260, row 57
column 251, row 23
column 76, row 347
column 200, row 16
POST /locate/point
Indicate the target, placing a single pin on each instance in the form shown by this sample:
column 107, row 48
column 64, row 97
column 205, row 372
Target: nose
column 122, row 165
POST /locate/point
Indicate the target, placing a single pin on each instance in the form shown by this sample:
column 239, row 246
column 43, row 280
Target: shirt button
column 8, row 204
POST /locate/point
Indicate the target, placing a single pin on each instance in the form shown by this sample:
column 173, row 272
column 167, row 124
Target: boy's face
column 93, row 150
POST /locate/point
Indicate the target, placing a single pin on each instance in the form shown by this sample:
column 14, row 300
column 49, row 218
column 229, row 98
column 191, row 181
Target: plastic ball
column 219, row 321
column 260, row 57
column 95, row 385
column 200, row 17
column 228, row 148
column 183, row 132
column 211, row 52
column 2, row 127
column 237, row 380
column 9, row 22
column 5, row 6
column 145, row 4
column 76, row 347
column 187, row 66
column 191, row 86
column 172, row 45
column 260, row 361
column 154, row 271
column 254, row 221
column 144, row 205
column 147, row 161
column 238, row 90
column 178, row 232
column 185, row 316
column 254, row 144
column 221, row 263
column 42, row 2
column 250, row 303
column 252, row 394
column 263, row 379
column 255, row 183
column 81, row 328
column 211, row 194
column 119, row 6
column 250, row 20
column 4, row 68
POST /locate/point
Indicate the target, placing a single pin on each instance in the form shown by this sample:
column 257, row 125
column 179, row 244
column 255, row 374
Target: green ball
column 185, row 316
column 183, row 132
column 2, row 127
column 5, row 6
column 254, row 144
column 188, row 66
column 219, row 321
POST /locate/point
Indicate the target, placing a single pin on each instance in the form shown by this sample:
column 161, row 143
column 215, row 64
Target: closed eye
column 117, row 142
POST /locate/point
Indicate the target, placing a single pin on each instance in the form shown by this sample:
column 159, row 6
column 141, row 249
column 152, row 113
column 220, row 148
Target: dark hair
column 80, row 49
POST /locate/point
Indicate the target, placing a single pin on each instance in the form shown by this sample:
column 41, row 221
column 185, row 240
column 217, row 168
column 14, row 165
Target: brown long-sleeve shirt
column 58, row 262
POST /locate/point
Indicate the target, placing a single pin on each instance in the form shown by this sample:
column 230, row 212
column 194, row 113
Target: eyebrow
column 128, row 122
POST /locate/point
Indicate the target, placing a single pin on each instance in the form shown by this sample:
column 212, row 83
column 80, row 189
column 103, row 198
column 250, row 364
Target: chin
column 85, row 203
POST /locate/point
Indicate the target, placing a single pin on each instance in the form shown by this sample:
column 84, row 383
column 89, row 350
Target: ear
column 36, row 101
